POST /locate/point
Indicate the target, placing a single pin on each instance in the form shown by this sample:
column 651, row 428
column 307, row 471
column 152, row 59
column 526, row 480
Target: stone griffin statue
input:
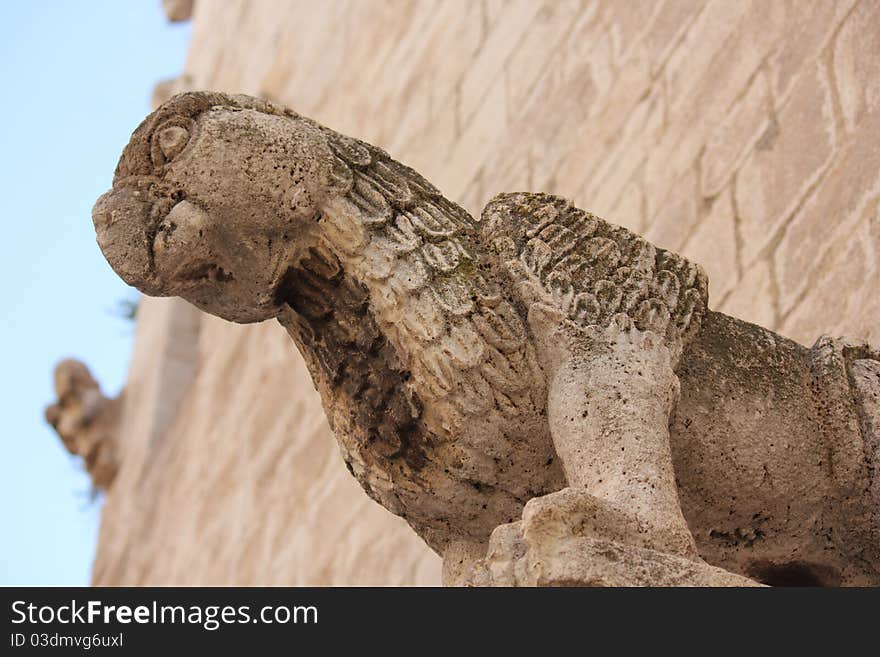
column 542, row 395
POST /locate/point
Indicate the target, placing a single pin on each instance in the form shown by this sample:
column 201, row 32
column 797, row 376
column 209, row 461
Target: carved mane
column 594, row 272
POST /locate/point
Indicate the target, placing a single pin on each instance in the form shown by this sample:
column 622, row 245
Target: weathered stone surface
column 780, row 170
column 856, row 65
column 865, row 374
column 679, row 215
column 841, row 206
column 563, row 540
column 364, row 68
column 752, row 298
column 713, row 243
column 86, row 421
column 737, row 132
column 806, row 38
column 467, row 367
column 849, row 258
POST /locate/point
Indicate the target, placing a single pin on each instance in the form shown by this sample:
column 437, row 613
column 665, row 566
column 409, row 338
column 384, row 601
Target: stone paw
column 571, row 538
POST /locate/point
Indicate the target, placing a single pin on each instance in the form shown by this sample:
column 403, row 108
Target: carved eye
column 169, row 139
column 172, row 140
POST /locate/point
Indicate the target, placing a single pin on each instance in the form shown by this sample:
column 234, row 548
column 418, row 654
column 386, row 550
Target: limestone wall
column 745, row 135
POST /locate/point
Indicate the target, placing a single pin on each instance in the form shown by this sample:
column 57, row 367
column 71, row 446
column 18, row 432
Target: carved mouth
column 127, row 220
column 184, row 253
column 206, row 273
column 122, row 220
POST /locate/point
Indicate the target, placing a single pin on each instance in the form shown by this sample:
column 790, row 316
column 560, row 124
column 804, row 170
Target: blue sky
column 77, row 78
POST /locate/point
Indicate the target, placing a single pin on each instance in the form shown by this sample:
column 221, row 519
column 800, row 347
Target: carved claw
column 570, row 538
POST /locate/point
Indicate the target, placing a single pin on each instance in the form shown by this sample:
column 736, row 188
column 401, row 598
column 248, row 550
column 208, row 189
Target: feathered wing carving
column 435, row 387
column 422, row 256
column 464, row 348
column 593, row 272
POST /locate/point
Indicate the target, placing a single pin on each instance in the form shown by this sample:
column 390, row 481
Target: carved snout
column 122, row 226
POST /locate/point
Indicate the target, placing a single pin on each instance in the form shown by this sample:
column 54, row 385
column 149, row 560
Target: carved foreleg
column 611, row 392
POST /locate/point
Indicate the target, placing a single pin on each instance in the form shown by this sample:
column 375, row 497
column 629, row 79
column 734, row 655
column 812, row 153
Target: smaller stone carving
column 178, row 11
column 86, row 421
